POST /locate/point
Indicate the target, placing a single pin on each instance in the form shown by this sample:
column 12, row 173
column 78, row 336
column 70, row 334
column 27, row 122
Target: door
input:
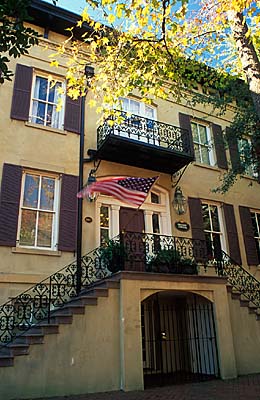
column 131, row 224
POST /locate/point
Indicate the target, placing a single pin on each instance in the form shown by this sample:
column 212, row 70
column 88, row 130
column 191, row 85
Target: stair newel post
column 49, row 301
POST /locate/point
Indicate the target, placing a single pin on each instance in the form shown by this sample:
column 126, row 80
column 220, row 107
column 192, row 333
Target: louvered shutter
column 72, row 115
column 199, row 246
column 231, row 229
column 184, row 120
column 233, row 151
column 22, row 92
column 248, row 234
column 219, row 146
column 9, row 203
column 68, row 213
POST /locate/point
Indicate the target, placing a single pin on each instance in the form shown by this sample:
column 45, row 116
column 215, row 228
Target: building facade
column 170, row 310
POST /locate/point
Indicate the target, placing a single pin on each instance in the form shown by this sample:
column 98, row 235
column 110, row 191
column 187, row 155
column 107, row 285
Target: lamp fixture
column 179, row 201
column 91, row 179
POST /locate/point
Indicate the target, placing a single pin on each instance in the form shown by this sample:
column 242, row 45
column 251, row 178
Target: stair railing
column 37, row 303
column 239, row 278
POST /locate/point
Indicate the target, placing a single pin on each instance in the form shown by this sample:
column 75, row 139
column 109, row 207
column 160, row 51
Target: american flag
column 130, row 190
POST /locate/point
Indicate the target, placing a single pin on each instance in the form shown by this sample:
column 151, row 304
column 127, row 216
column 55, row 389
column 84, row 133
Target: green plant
column 171, row 261
column 113, row 254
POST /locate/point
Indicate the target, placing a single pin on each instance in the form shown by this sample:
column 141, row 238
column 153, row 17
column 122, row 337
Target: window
column 212, row 229
column 256, row 228
column 104, row 224
column 138, row 108
column 245, row 152
column 155, row 198
column 46, row 95
column 203, row 144
column 38, row 217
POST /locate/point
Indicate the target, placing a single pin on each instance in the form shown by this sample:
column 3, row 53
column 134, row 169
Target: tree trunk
column 247, row 55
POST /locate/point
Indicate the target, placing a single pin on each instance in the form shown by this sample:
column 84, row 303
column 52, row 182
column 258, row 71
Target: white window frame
column 221, row 224
column 209, row 145
column 142, row 109
column 55, row 212
column 61, row 112
column 163, row 209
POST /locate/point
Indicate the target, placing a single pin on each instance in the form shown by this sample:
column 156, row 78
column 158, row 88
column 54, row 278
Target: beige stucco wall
column 82, row 358
column 246, row 337
column 34, row 147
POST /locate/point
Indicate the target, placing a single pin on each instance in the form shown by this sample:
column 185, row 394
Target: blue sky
column 76, row 6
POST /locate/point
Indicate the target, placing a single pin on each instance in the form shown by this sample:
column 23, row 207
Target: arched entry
column 178, row 339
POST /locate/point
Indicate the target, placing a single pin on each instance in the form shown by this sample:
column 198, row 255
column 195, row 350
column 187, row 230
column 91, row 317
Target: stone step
column 18, row 349
column 96, row 292
column 6, row 361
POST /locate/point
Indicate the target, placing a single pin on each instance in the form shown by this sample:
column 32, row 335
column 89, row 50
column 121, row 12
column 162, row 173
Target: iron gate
column 178, row 340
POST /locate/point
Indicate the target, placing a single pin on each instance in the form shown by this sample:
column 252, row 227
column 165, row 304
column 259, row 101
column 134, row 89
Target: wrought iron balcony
column 144, row 143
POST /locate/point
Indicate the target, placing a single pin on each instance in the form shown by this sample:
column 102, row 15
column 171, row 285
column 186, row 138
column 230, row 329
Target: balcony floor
column 143, row 155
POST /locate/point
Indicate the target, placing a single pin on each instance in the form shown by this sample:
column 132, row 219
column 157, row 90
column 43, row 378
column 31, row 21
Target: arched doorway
column 178, row 339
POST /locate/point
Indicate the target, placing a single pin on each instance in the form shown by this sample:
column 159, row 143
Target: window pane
column 38, row 112
column 156, row 225
column 155, row 198
column 204, row 155
column 40, row 89
column 47, row 193
column 49, row 115
column 27, row 231
column 205, row 216
column 104, row 217
column 44, row 229
column 203, row 134
column 104, row 236
column 149, row 112
column 134, row 107
column 53, row 92
column 194, row 132
column 31, row 189
column 214, row 218
column 197, row 152
column 254, row 223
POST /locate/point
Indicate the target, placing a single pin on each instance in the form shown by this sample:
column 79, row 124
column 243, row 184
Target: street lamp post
column 89, row 73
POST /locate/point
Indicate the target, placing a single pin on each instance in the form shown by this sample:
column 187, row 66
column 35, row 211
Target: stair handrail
column 239, row 278
column 36, row 303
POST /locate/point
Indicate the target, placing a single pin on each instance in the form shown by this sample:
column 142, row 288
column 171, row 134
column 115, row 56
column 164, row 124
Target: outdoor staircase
column 242, row 286
column 35, row 335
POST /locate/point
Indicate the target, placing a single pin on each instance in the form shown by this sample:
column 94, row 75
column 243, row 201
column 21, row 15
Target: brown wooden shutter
column 184, row 120
column 9, row 203
column 22, row 92
column 219, row 146
column 231, row 229
column 248, row 234
column 68, row 213
column 199, row 247
column 72, row 115
column 233, row 151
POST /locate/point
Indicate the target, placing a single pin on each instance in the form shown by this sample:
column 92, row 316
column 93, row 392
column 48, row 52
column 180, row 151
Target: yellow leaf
column 111, row 18
column 54, row 63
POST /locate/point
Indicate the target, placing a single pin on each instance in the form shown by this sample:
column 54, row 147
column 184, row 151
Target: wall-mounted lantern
column 179, row 201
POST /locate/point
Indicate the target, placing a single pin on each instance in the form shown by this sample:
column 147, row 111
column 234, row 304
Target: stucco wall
column 82, row 358
column 246, row 338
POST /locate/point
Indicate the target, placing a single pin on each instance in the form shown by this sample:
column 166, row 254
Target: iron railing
column 38, row 302
column 133, row 251
column 160, row 253
column 129, row 251
column 146, row 130
column 239, row 278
